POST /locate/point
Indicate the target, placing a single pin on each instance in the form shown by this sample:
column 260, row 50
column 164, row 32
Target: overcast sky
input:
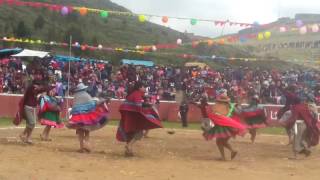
column 246, row 11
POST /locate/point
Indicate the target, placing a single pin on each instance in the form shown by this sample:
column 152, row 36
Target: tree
column 164, row 32
column 156, row 39
column 22, row 31
column 6, row 28
column 149, row 29
column 39, row 23
column 52, row 34
column 202, row 48
column 95, row 40
column 76, row 33
column 106, row 20
column 124, row 24
column 73, row 17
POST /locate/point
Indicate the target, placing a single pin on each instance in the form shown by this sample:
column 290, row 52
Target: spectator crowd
column 162, row 82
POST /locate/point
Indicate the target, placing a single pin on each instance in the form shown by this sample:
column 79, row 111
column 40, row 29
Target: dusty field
column 182, row 156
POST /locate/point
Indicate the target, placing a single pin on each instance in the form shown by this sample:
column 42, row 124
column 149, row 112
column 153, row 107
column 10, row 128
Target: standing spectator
column 121, row 92
column 184, row 108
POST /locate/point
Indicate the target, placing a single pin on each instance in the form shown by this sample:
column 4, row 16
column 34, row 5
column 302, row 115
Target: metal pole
column 222, row 31
column 69, row 74
column 279, row 7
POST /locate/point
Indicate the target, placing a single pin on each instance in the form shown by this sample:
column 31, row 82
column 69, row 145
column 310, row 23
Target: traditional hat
column 223, row 98
column 221, row 92
column 80, row 87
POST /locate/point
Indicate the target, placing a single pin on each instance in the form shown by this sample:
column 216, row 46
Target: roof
column 31, row 53
column 9, row 52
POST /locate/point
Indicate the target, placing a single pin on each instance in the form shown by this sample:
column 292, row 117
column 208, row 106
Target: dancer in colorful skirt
column 253, row 116
column 49, row 113
column 206, row 123
column 146, row 100
column 136, row 116
column 221, row 126
column 302, row 122
column 87, row 115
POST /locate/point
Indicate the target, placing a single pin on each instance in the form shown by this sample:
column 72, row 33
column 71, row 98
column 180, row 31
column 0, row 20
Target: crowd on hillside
column 163, row 82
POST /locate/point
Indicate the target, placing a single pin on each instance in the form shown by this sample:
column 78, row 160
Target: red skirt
column 90, row 121
column 134, row 119
column 225, row 127
column 254, row 119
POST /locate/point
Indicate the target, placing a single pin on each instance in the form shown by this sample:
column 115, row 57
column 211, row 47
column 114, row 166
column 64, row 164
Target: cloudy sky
column 246, row 11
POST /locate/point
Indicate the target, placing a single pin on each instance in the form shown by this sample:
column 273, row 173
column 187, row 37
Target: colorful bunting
column 142, row 18
column 165, row 19
column 65, row 10
column 83, row 47
column 147, row 50
column 104, row 14
column 83, row 11
column 193, row 21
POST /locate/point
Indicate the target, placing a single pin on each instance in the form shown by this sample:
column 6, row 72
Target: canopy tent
column 9, row 52
column 138, row 62
column 31, row 53
column 193, row 64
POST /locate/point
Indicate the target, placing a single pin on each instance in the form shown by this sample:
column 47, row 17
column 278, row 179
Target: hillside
column 114, row 31
column 286, row 44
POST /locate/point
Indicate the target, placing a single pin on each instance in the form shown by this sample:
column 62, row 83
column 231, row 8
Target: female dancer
column 136, row 116
column 49, row 113
column 307, row 133
column 253, row 116
column 86, row 115
column 221, row 127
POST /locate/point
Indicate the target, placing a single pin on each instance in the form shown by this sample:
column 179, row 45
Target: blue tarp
column 74, row 59
column 138, row 62
column 66, row 58
column 9, row 52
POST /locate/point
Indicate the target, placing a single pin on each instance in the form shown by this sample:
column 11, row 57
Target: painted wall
column 167, row 110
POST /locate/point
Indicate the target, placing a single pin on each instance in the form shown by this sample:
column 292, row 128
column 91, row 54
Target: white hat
column 80, row 87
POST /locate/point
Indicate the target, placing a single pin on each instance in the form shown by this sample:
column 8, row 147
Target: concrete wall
column 167, row 110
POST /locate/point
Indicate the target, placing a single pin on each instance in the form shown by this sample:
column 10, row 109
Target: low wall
column 167, row 110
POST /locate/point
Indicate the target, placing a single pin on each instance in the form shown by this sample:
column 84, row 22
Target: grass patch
column 166, row 124
column 178, row 125
column 273, row 130
column 5, row 122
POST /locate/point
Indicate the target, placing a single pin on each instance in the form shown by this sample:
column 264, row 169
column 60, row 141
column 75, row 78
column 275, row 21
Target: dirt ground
column 182, row 156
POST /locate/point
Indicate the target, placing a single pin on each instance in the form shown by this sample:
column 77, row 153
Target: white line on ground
column 12, row 127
